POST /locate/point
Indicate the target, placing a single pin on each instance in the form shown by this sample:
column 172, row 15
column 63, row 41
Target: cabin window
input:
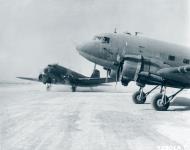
column 186, row 61
column 172, row 58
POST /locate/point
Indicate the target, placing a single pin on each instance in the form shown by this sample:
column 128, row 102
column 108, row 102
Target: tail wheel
column 48, row 87
column 158, row 103
column 139, row 98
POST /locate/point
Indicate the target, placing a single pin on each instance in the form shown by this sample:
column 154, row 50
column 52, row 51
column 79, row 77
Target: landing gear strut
column 160, row 101
column 48, row 87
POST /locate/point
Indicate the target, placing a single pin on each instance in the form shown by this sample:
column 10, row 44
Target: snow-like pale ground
column 102, row 119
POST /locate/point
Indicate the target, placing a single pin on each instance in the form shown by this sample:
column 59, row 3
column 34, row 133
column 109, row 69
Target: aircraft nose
column 83, row 48
column 88, row 50
column 79, row 47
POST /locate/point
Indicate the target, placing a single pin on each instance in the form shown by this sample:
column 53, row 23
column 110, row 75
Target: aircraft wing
column 55, row 74
column 30, row 79
column 94, row 81
column 176, row 70
column 90, row 82
column 64, row 71
column 179, row 74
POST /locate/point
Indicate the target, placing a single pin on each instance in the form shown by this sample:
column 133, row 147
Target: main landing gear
column 139, row 97
column 160, row 101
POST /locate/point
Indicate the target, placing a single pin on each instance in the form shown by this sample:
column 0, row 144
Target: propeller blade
column 94, row 66
column 107, row 73
column 117, row 75
column 119, row 70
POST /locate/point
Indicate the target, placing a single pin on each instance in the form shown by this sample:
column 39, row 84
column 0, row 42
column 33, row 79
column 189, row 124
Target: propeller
column 120, row 62
column 40, row 77
column 107, row 73
column 94, row 66
column 119, row 71
column 44, row 78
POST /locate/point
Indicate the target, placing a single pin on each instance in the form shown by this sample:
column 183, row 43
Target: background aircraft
column 56, row 74
column 144, row 60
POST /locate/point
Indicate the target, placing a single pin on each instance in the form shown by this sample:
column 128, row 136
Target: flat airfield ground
column 102, row 119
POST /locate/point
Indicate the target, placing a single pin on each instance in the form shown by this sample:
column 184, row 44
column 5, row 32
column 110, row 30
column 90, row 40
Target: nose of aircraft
column 79, row 47
column 84, row 48
column 88, row 50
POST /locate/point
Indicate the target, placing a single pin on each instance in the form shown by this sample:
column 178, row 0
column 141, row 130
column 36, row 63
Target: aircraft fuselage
column 106, row 54
column 108, row 49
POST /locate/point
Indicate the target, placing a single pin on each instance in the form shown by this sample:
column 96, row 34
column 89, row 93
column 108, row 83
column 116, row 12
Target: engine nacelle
column 130, row 69
column 133, row 65
column 44, row 78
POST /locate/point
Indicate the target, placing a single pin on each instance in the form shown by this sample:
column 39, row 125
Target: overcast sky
column 34, row 33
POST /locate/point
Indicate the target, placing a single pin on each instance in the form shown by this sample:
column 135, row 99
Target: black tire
column 157, row 105
column 73, row 88
column 137, row 99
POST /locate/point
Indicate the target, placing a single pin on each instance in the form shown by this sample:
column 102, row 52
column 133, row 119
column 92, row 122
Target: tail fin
column 95, row 74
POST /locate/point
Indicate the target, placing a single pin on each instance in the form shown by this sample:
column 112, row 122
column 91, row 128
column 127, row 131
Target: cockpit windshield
column 102, row 39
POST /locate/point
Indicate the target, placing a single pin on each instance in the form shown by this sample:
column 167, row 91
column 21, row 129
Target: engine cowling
column 134, row 65
column 129, row 71
column 45, row 78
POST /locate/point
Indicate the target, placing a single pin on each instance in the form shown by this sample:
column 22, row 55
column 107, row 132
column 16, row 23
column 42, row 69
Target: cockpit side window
column 106, row 40
column 102, row 39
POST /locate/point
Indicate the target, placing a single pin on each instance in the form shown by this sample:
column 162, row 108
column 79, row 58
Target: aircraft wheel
column 137, row 99
column 158, row 104
column 73, row 88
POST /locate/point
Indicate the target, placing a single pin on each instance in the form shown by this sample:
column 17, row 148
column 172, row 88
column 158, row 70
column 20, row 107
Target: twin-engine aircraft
column 56, row 74
column 144, row 60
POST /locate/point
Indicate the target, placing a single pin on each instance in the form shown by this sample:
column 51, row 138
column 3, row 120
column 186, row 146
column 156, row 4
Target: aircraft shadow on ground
column 91, row 91
column 183, row 102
